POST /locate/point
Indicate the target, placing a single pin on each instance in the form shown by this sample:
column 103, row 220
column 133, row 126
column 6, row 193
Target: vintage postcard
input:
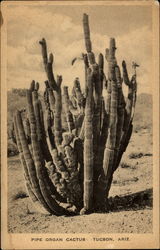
column 80, row 124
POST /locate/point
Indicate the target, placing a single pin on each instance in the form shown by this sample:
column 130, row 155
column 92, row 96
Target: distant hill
column 142, row 118
column 143, row 112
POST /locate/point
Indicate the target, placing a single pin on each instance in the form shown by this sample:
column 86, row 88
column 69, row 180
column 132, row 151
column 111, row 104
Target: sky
column 61, row 26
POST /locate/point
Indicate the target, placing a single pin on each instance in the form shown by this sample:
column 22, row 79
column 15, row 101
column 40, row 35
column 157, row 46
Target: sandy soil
column 130, row 198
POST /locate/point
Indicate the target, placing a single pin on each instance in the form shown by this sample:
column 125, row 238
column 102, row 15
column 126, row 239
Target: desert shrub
column 16, row 99
column 12, row 149
column 20, row 195
column 127, row 165
column 123, row 182
column 20, row 92
column 135, row 155
column 14, row 102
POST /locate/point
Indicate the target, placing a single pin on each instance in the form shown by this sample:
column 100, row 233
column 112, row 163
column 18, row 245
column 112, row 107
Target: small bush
column 20, row 195
column 127, row 165
column 123, row 182
column 136, row 155
column 12, row 149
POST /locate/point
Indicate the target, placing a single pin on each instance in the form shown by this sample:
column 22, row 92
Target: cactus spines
column 68, row 167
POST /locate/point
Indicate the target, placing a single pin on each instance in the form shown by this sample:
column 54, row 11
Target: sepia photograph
column 80, row 124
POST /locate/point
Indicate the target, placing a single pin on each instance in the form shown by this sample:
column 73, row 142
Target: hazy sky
column 62, row 28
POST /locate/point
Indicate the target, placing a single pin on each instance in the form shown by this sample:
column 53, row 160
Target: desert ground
column 130, row 198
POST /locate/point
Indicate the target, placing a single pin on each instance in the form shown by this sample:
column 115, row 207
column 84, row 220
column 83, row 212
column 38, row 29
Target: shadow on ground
column 134, row 201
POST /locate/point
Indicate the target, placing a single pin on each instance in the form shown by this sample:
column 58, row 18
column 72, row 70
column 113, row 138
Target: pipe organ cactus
column 69, row 169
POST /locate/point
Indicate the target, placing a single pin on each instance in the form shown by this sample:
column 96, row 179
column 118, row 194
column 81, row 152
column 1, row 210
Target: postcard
column 80, row 124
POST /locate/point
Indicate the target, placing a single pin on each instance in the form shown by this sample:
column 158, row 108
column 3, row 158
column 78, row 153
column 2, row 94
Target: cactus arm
column 37, row 115
column 112, row 103
column 37, row 86
column 66, row 185
column 129, row 107
column 28, row 183
column 69, row 116
column 73, row 110
column 125, row 73
column 107, row 99
column 111, row 140
column 57, row 113
column 86, row 63
column 87, row 33
column 120, row 112
column 30, row 163
column 134, row 86
column 129, row 113
column 101, row 66
column 86, row 66
column 44, row 51
column 91, row 58
column 98, row 92
column 51, row 100
column 48, row 118
column 48, row 64
column 35, row 201
column 39, row 162
column 12, row 133
column 88, row 44
column 97, row 118
column 88, row 147
column 97, row 79
column 74, row 186
column 50, row 74
column 110, row 57
column 44, row 144
column 79, row 95
column 81, row 134
column 74, row 115
column 21, row 152
column 43, row 147
column 107, row 54
column 50, row 106
column 27, row 130
column 124, row 145
column 40, row 127
column 109, row 151
column 45, row 151
column 78, row 148
column 32, row 85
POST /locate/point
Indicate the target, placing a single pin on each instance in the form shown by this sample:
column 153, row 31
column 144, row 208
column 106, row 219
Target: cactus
column 69, row 169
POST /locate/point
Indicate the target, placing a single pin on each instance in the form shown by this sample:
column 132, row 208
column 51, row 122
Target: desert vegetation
column 71, row 142
column 71, row 170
